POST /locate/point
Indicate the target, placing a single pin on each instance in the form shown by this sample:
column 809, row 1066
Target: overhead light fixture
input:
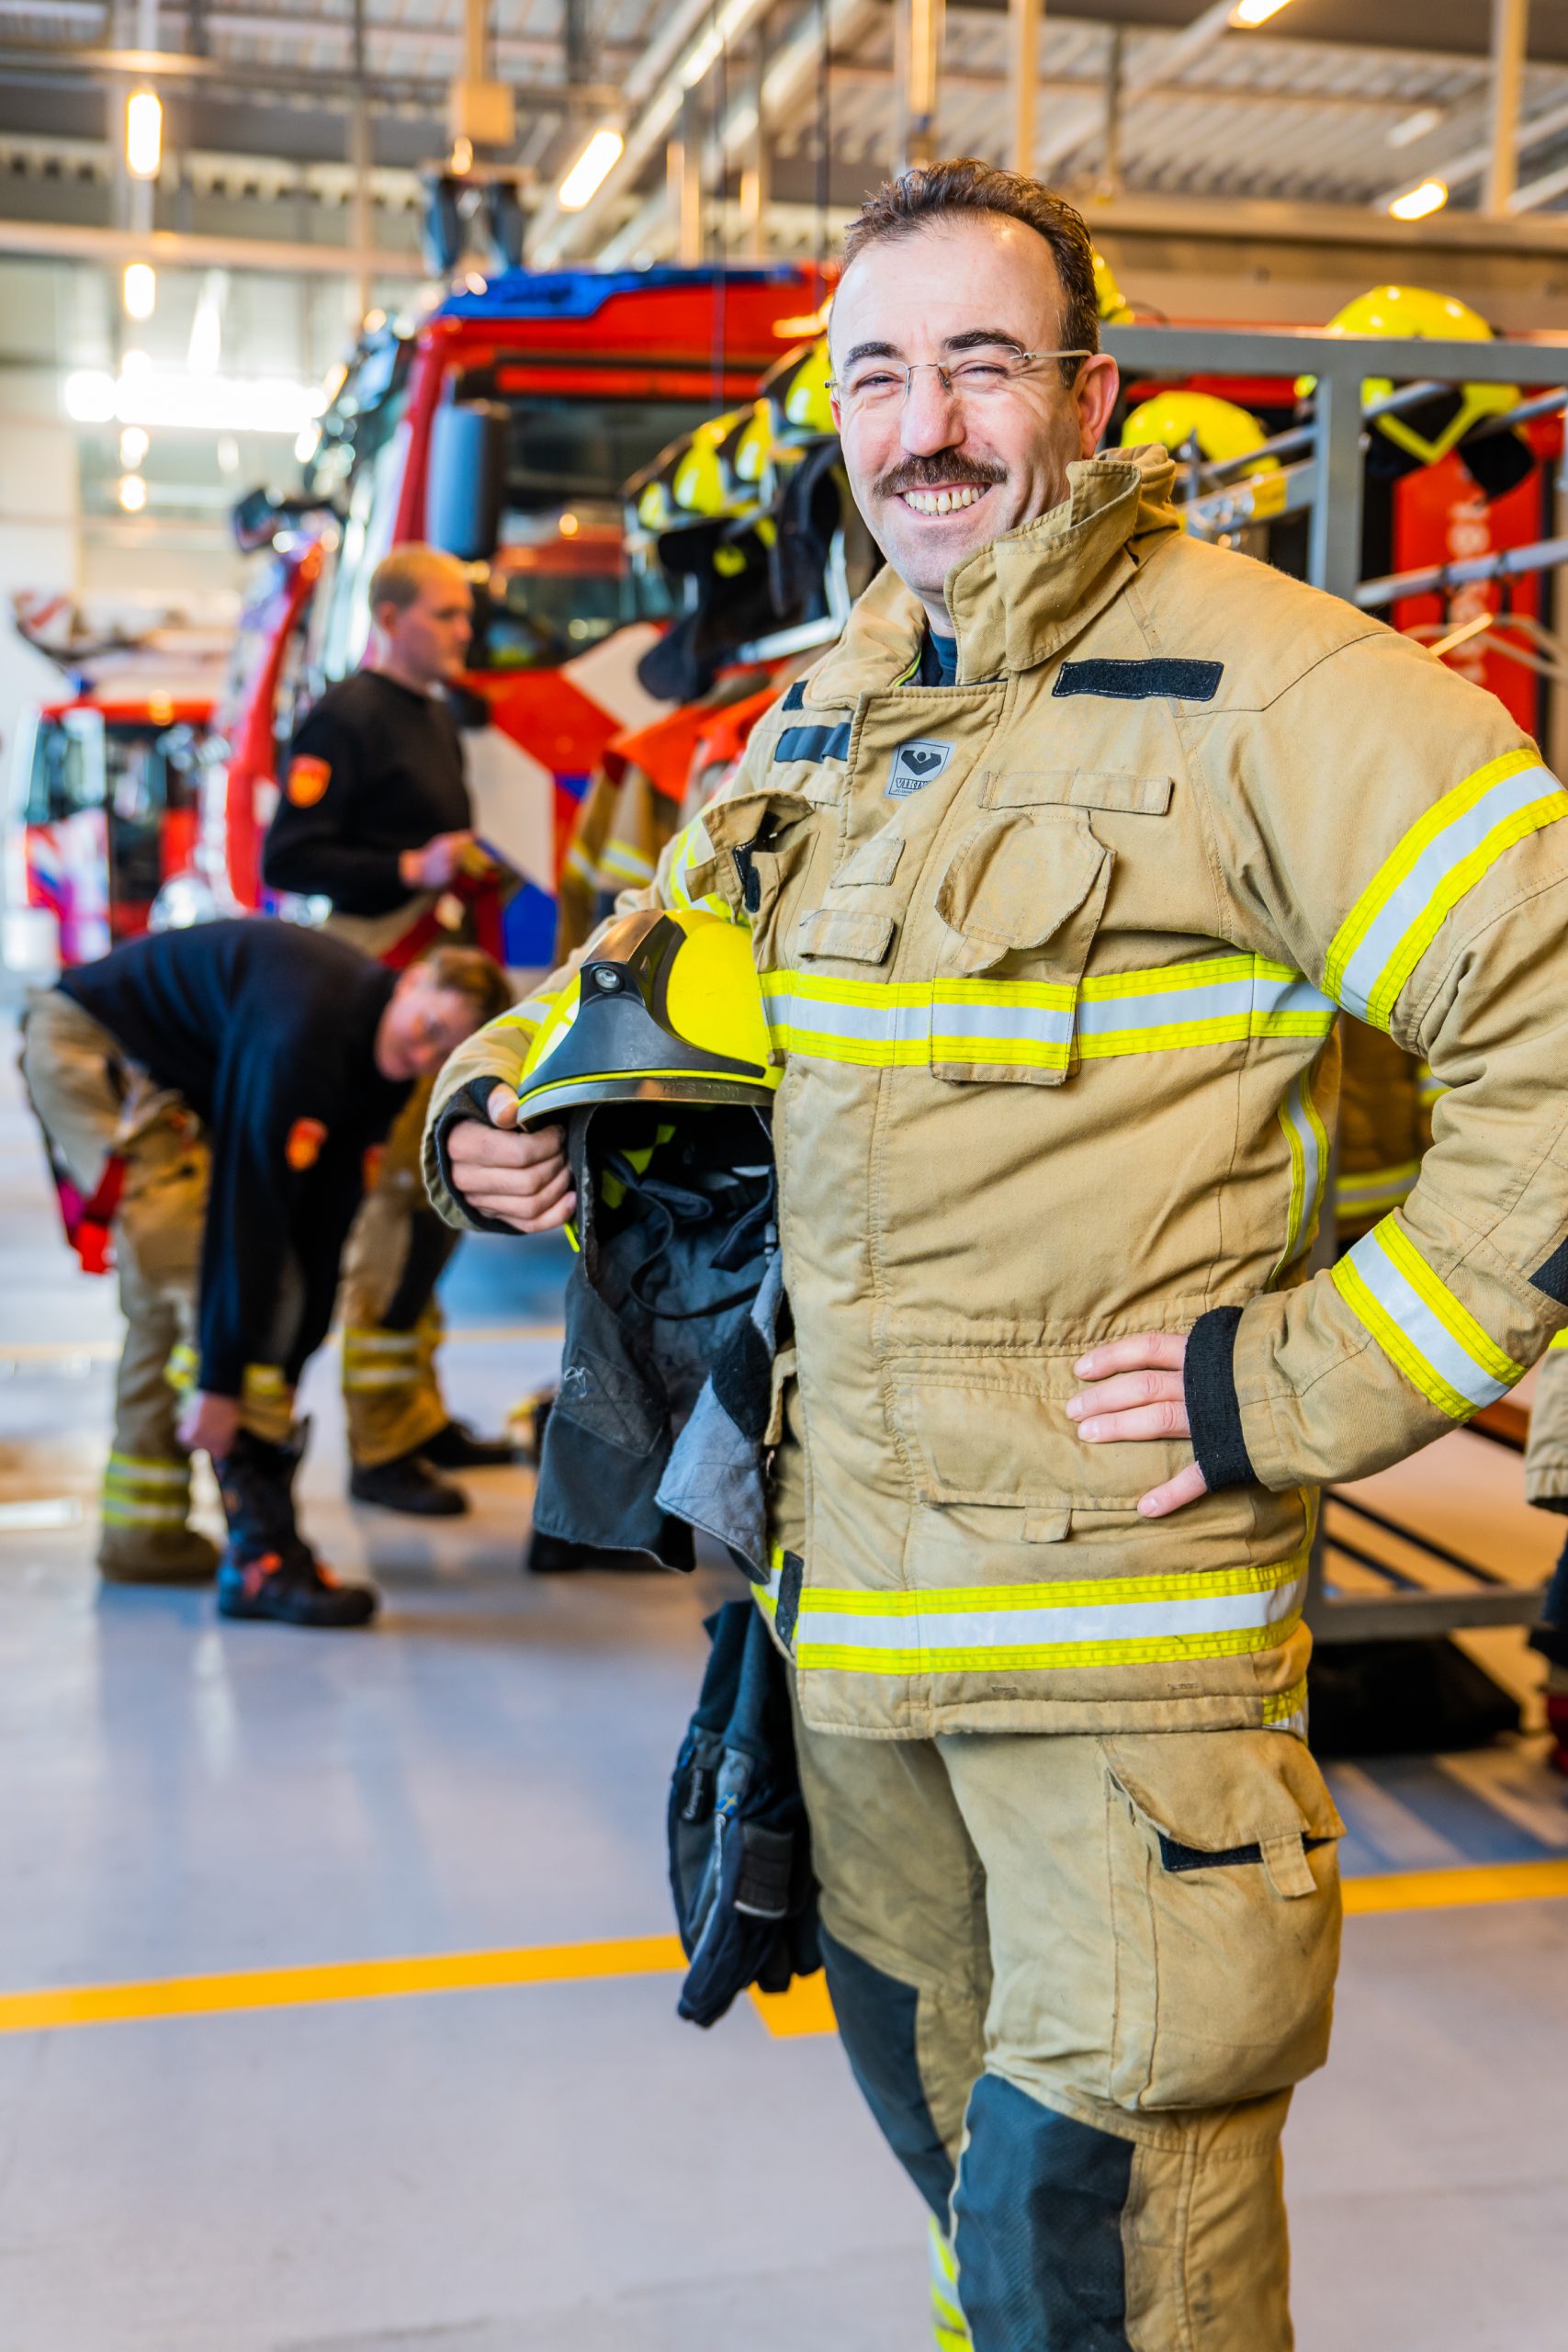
column 139, row 290
column 1247, row 14
column 143, row 134
column 1416, row 126
column 1417, row 202
column 589, row 172
column 132, row 493
column 134, row 444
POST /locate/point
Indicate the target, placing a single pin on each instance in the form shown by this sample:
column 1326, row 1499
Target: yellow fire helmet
column 1109, row 300
column 666, row 1009
column 716, row 473
column 796, row 389
column 1222, row 430
column 1414, row 313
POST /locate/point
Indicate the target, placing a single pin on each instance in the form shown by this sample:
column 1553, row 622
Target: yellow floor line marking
column 1453, row 1890
column 352, row 1979
column 804, row 2009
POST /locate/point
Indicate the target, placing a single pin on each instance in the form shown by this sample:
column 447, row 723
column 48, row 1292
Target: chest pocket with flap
column 1021, row 900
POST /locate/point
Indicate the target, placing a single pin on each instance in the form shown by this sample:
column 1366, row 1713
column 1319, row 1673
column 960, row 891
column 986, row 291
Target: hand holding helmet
column 519, row 1178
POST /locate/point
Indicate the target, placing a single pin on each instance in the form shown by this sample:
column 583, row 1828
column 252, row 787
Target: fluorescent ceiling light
column 1416, row 126
column 134, row 445
column 143, row 134
column 589, row 172
column 176, row 401
column 139, row 290
column 1417, row 202
column 132, row 493
column 1249, row 13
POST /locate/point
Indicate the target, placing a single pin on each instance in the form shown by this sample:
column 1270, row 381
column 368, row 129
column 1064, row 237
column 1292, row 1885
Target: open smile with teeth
column 944, row 502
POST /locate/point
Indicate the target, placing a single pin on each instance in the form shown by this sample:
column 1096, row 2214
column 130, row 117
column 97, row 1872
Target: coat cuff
column 470, row 1102
column 1213, row 1414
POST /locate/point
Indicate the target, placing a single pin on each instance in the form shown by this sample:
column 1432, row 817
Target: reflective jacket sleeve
column 1396, row 839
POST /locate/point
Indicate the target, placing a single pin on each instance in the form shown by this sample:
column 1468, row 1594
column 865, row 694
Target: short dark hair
column 930, row 192
column 468, row 971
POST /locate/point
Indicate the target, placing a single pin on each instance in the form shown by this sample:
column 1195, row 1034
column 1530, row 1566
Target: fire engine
column 501, row 428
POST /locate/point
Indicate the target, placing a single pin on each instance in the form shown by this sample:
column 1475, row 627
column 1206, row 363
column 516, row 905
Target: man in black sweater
column 216, row 1096
column 374, row 817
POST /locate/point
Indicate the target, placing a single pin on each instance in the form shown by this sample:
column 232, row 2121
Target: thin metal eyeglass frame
column 945, row 369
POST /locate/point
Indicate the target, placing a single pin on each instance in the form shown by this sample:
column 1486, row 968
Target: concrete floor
column 566, row 2165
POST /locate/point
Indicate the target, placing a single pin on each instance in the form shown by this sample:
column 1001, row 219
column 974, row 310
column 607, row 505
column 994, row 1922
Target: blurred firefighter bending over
column 375, row 817
column 212, row 1099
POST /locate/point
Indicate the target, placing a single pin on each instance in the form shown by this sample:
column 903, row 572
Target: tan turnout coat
column 1051, row 959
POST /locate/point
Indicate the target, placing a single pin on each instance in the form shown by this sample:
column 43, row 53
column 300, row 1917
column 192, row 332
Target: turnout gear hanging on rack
column 1496, row 460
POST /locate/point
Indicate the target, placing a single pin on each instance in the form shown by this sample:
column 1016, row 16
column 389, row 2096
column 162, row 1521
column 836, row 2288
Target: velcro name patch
column 1152, row 680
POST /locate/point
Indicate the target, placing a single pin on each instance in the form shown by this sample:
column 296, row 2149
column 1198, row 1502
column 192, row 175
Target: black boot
column 456, row 1448
column 408, row 1483
column 269, row 1570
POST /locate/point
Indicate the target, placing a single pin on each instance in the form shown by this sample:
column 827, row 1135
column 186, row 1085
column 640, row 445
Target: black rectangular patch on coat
column 1552, row 1278
column 1141, row 681
column 814, row 743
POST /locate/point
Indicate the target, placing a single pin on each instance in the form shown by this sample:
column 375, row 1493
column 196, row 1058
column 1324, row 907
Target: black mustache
column 938, row 473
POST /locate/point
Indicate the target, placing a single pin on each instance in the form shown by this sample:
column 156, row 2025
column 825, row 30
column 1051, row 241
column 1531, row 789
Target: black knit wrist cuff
column 1212, row 1412
column 470, row 1102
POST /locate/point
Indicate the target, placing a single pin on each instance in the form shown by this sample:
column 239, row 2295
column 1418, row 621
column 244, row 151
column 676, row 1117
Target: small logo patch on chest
column 916, row 765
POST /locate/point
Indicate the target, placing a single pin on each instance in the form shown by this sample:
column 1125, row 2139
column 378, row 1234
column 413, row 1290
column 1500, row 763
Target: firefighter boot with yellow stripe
column 144, row 1537
column 269, row 1570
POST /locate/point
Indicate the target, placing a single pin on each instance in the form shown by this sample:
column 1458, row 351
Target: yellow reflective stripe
column 1441, row 857
column 149, row 1470
column 1039, row 1024
column 115, row 1511
column 1558, row 1340
column 1286, row 1710
column 1375, row 1190
column 1421, row 1326
column 182, row 1368
column 692, row 848
column 529, row 1014
column 1227, row 1612
column 1427, row 1087
column 373, row 1343
column 1307, row 1142
column 1209, row 1000
column 627, row 861
column 949, row 2328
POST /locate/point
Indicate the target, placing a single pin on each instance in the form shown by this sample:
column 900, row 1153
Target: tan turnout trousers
column 1076, row 1979
column 91, row 1101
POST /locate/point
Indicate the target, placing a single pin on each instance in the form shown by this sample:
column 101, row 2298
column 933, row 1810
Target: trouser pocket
column 1225, row 1902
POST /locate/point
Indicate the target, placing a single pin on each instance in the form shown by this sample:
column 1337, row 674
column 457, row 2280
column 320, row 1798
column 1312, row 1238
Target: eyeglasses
column 878, row 384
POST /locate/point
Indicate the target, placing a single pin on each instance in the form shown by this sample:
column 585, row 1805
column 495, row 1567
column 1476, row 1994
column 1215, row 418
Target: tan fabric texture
column 1018, row 1885
column 91, row 1101
column 1385, row 1127
column 391, row 1385
column 1546, row 1453
column 1054, row 1008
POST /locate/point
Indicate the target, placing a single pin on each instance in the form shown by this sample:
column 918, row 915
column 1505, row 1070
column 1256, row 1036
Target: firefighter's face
column 421, row 1025
column 429, row 639
column 940, row 470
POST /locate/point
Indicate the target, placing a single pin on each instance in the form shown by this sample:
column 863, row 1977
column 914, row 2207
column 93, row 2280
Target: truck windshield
column 561, row 581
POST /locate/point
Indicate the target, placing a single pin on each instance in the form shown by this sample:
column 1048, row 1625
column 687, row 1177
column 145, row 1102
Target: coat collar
column 1017, row 602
